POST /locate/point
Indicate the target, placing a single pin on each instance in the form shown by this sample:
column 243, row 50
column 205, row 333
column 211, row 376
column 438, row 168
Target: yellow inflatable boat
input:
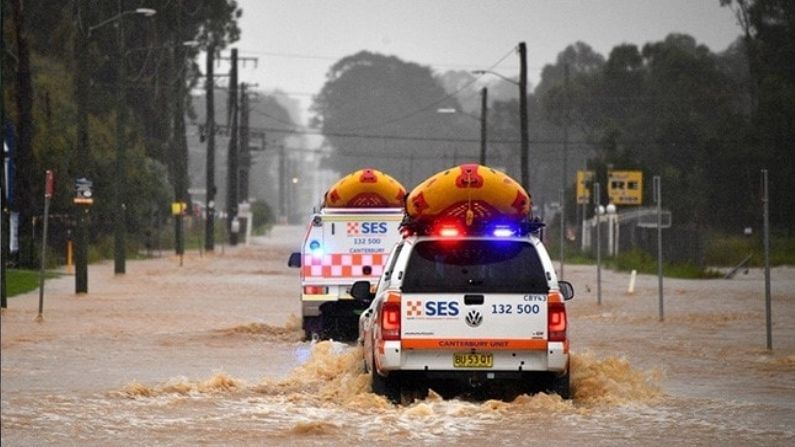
column 365, row 188
column 469, row 193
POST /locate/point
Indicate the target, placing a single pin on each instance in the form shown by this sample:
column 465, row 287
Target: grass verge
column 23, row 281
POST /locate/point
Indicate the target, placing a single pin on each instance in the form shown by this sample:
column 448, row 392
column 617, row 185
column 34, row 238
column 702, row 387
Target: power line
column 429, row 106
column 545, row 156
column 337, row 58
column 537, row 141
column 313, row 131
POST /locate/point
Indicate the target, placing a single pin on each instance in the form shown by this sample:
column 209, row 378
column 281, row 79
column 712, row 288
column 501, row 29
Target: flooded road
column 210, row 353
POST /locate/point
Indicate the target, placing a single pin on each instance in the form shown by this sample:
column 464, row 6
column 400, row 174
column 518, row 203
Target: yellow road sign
column 625, row 187
column 178, row 208
column 584, row 179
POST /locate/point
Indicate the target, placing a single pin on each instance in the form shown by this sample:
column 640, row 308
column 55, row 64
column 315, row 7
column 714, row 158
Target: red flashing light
column 390, row 321
column 449, row 231
column 556, row 322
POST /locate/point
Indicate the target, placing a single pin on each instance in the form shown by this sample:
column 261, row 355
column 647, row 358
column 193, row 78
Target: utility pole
column 484, row 94
column 4, row 222
column 523, row 117
column 282, row 183
column 4, row 240
column 245, row 152
column 209, row 224
column 179, row 145
column 232, row 154
column 119, row 229
column 564, row 174
column 82, row 159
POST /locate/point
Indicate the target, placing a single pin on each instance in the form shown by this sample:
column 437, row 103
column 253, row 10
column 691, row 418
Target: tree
column 26, row 172
column 381, row 112
column 46, row 97
column 769, row 38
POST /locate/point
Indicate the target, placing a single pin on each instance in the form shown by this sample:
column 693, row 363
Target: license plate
column 473, row 360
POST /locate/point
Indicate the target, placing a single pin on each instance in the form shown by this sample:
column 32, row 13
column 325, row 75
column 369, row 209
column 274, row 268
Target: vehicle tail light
column 390, row 320
column 315, row 290
column 556, row 318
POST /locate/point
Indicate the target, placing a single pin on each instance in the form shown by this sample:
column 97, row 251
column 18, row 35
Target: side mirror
column 295, row 260
column 566, row 289
column 360, row 290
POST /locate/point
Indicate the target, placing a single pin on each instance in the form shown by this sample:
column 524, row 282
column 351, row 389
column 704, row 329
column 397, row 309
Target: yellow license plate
column 473, row 360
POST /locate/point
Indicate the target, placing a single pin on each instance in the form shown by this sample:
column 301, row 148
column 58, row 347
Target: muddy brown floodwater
column 210, row 353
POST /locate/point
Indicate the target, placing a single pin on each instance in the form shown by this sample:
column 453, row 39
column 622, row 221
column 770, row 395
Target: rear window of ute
column 474, row 266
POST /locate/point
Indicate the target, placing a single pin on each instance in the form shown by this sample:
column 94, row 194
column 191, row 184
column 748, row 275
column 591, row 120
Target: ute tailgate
column 474, row 321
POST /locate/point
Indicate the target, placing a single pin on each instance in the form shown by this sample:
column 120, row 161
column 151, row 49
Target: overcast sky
column 296, row 41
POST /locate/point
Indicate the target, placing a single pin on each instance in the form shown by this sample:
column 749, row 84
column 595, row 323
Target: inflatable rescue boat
column 471, row 194
column 365, row 188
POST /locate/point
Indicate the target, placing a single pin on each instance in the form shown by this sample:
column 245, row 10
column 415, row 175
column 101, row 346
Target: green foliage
column 262, row 216
column 643, row 262
column 728, row 250
column 23, row 281
column 372, row 94
column 674, row 108
column 57, row 32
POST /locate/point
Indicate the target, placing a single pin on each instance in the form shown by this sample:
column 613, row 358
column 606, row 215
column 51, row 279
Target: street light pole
column 232, row 181
column 523, row 116
column 119, row 229
column 83, row 151
column 564, row 174
column 484, row 93
column 82, row 154
column 209, row 231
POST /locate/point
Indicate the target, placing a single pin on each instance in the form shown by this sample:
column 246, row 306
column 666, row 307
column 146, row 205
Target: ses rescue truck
column 348, row 240
column 469, row 298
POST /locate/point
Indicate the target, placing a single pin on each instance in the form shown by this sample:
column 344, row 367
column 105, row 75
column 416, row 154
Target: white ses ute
column 475, row 313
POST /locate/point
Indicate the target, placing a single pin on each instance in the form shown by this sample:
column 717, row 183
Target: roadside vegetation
column 720, row 251
column 23, row 281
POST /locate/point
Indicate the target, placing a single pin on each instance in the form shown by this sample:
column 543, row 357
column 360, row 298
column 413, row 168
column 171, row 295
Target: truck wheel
column 559, row 384
column 313, row 328
column 412, row 393
column 388, row 387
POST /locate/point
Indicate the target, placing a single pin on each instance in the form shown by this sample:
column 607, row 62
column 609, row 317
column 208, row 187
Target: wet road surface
column 211, row 353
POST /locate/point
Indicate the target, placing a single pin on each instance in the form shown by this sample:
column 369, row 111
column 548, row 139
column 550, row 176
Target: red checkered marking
column 353, row 228
column 413, row 308
column 339, row 265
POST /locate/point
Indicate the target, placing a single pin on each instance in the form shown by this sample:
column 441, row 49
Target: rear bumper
column 391, row 357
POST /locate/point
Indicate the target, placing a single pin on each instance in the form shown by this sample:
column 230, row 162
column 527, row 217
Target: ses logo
column 431, row 309
column 365, row 228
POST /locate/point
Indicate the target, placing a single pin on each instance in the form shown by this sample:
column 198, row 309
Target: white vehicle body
column 341, row 246
column 472, row 309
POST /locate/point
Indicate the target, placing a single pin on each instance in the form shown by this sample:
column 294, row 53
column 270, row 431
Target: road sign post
column 49, row 185
column 766, row 229
column 178, row 211
column 598, row 211
column 84, row 198
column 658, row 201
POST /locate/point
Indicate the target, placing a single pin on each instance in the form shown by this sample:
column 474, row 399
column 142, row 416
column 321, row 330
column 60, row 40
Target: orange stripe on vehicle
column 393, row 298
column 466, row 343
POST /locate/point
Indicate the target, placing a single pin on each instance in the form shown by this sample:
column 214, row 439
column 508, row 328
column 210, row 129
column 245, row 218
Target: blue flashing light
column 503, row 231
column 315, row 248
